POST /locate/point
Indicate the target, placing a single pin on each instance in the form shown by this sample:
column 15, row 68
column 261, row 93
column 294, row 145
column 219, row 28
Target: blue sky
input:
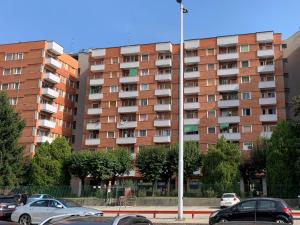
column 78, row 24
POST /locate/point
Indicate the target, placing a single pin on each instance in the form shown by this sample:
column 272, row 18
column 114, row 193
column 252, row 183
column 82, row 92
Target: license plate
column 11, row 207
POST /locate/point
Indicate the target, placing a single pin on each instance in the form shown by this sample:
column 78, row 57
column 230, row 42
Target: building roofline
column 25, row 42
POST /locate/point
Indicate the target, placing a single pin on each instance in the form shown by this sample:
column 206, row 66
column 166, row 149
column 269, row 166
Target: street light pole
column 180, row 161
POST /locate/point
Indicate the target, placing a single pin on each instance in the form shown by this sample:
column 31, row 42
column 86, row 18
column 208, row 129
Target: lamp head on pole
column 179, row 1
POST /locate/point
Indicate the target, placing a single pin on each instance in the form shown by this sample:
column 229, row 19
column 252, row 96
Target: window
column 246, row 206
column 110, row 134
column 245, row 79
column 244, row 48
column 211, row 98
column 111, row 119
column 145, row 57
column 113, row 88
column 246, row 95
column 9, row 56
column 247, row 128
column 114, row 60
column 210, row 51
column 266, row 204
column 144, row 87
column 112, row 104
column 211, row 113
column 4, row 86
column 144, row 102
column 142, row 133
column 210, row 66
column 143, row 117
column 144, row 72
column 248, row 145
column 6, row 72
column 211, row 130
column 246, row 112
column 13, row 101
column 210, row 82
column 40, row 203
column 245, row 64
column 19, row 56
column 17, row 70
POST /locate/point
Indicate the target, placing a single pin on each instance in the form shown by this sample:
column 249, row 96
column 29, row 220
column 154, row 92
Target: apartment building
column 40, row 81
column 233, row 87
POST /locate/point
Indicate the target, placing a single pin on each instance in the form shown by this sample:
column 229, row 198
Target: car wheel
column 25, row 219
column 280, row 221
column 222, row 220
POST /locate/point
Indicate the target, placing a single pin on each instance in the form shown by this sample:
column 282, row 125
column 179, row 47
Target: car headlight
column 214, row 214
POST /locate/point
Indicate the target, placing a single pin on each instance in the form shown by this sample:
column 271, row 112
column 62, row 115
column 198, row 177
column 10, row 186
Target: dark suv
column 255, row 209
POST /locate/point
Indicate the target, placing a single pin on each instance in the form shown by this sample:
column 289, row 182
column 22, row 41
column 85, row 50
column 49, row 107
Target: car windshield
column 228, row 196
column 7, row 200
column 68, row 203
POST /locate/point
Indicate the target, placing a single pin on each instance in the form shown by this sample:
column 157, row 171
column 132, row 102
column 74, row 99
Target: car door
column 38, row 210
column 244, row 211
column 265, row 210
column 53, row 209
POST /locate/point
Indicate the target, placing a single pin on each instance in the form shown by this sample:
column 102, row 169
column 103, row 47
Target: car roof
column 265, row 198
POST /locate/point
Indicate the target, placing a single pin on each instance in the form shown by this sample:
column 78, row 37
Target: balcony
column 127, row 65
column 97, row 68
column 95, row 96
column 162, row 123
column 128, row 94
column 264, row 37
column 55, row 48
column 230, row 136
column 191, row 75
column 191, row 60
column 127, row 109
column 93, row 126
column 228, row 72
column 129, row 79
column 268, row 101
column 191, row 105
column 163, row 47
column 163, row 92
column 128, row 50
column 265, row 53
column 228, row 87
column 48, row 108
column 163, row 62
column 268, row 118
column 227, row 41
column 266, row 134
column 266, row 84
column 191, row 44
column 51, row 77
column 126, row 140
column 163, row 77
column 228, row 119
column 191, row 90
column 98, row 53
column 92, row 141
column 192, row 121
column 49, row 92
column 227, row 56
column 162, row 139
column 94, row 111
column 228, row 103
column 46, row 123
column 191, row 137
column 162, row 107
column 127, row 124
column 96, row 82
column 44, row 139
column 266, row 69
column 54, row 63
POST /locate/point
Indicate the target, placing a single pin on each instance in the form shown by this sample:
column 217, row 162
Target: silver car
column 38, row 197
column 37, row 211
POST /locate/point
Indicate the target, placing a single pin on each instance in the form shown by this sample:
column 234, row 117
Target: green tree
column 48, row 166
column 151, row 162
column 101, row 166
column 221, row 166
column 281, row 157
column 296, row 105
column 121, row 162
column 11, row 153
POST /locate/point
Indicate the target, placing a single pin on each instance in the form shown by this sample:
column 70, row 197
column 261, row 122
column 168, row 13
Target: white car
column 37, row 211
column 229, row 199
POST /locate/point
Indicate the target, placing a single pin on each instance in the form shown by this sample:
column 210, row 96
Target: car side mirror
column 59, row 206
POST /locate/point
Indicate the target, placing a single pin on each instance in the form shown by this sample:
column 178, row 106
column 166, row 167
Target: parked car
column 7, row 205
column 229, row 199
column 255, row 209
column 38, row 197
column 79, row 220
column 37, row 211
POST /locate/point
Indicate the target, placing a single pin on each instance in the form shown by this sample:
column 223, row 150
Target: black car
column 94, row 220
column 255, row 209
column 7, row 205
